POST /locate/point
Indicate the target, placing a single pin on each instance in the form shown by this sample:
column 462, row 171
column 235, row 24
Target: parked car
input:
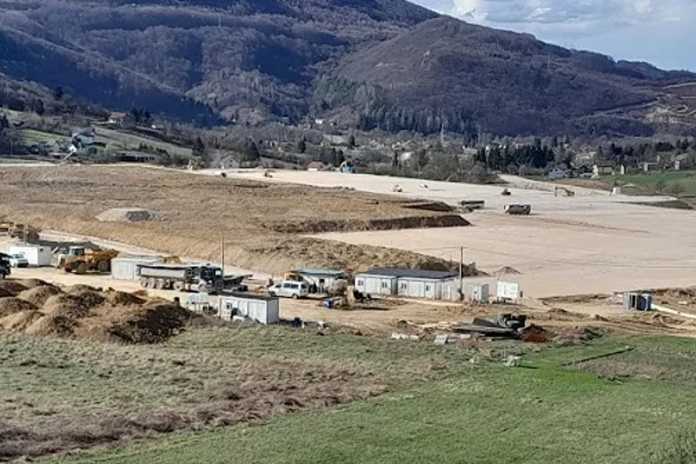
column 18, row 260
column 290, row 289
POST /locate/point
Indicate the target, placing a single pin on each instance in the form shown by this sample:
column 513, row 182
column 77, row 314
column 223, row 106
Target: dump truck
column 201, row 278
column 80, row 260
column 5, row 268
column 20, row 231
column 518, row 210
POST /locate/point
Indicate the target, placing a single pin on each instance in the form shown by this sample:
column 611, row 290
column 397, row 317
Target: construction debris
column 503, row 326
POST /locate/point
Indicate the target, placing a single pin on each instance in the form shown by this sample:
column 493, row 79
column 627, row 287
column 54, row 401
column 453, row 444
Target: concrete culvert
column 128, row 215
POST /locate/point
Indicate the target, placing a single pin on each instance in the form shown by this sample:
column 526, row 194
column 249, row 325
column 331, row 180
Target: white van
column 290, row 289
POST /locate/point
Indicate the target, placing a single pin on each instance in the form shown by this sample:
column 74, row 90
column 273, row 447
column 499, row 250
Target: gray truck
column 201, row 278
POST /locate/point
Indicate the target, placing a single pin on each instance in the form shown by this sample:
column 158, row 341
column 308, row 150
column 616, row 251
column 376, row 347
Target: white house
column 409, row 283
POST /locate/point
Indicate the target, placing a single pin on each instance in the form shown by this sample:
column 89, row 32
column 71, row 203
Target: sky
column 656, row 31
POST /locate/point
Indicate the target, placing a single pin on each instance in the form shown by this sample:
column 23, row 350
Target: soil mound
column 33, row 283
column 38, row 295
column 65, row 306
column 506, row 270
column 52, row 325
column 88, row 298
column 79, row 288
column 12, row 287
column 117, row 298
column 128, row 215
column 153, row 322
column 20, row 321
column 411, row 222
column 85, row 312
column 12, row 305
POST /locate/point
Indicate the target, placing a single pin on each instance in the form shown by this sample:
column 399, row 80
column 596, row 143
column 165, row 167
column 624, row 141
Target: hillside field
column 618, row 400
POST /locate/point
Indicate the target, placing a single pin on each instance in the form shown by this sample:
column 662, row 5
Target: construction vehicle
column 201, row 278
column 5, row 268
column 23, row 232
column 79, row 260
column 564, row 191
column 518, row 210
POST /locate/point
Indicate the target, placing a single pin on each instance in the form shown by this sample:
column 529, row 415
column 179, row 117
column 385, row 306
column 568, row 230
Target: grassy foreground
column 565, row 405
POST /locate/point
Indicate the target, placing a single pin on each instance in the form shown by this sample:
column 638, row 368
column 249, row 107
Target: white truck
column 202, row 278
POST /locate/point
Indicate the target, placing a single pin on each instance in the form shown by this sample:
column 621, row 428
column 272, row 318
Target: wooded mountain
column 384, row 64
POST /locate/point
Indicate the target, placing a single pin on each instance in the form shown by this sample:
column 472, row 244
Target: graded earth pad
column 590, row 243
column 260, row 222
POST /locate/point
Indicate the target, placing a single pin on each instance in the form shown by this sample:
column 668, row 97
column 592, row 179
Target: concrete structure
column 409, row 283
column 126, row 267
column 36, row 255
column 323, row 279
column 263, row 309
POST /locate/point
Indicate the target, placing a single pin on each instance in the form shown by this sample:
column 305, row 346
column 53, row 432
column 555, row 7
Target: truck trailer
column 202, row 278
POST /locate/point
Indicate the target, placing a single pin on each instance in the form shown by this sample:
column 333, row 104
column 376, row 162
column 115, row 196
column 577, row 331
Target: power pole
column 222, row 255
column 461, row 273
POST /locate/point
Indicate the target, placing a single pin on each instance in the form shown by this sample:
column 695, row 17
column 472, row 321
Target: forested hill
column 384, row 64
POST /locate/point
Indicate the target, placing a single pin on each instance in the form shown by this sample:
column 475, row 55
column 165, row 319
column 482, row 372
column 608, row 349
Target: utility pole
column 222, row 255
column 461, row 273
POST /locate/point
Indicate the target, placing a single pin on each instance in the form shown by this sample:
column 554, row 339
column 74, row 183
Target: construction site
column 333, row 291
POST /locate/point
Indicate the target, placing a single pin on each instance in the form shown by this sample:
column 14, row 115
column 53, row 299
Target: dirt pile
column 38, row 295
column 11, row 287
column 152, row 322
column 84, row 312
column 11, row 305
column 358, row 225
column 128, row 215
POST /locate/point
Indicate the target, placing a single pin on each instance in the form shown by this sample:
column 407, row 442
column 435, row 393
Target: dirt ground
column 261, row 223
column 590, row 243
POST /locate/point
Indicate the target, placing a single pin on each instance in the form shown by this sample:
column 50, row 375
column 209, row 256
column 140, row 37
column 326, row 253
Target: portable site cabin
column 36, row 255
column 126, row 267
column 264, row 309
column 409, row 283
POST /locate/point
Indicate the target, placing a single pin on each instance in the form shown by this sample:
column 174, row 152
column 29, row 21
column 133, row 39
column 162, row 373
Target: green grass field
column 669, row 182
column 31, row 137
column 123, row 140
column 59, row 395
column 563, row 405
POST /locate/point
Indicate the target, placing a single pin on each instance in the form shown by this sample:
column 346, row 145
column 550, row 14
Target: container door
column 429, row 290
